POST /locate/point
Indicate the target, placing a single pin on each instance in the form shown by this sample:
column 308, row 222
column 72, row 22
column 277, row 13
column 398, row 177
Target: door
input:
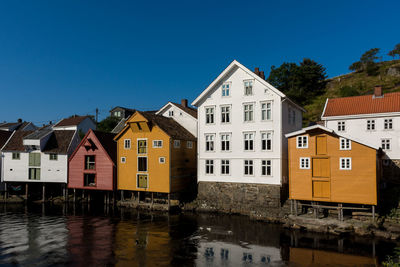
column 321, row 189
column 321, row 145
column 320, row 167
column 142, row 181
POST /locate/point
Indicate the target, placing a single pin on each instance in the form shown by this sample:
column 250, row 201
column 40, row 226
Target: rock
column 393, row 71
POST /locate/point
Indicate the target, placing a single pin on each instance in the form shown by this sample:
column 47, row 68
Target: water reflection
column 54, row 235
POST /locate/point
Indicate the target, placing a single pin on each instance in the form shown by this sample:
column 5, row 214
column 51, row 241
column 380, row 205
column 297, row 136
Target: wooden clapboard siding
column 104, row 166
column 324, row 180
column 321, row 145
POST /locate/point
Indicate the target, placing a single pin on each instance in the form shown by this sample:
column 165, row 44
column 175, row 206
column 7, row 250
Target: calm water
column 53, row 235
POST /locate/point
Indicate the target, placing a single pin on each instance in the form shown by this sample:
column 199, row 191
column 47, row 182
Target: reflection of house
column 82, row 124
column 93, row 164
column 331, row 167
column 4, row 137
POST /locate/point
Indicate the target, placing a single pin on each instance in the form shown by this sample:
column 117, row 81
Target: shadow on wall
column 389, row 193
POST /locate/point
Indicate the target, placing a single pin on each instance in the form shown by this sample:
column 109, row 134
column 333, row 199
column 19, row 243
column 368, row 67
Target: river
column 50, row 235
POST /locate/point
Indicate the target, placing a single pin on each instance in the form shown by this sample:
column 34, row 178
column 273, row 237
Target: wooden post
column 26, row 191
column 5, row 192
column 138, row 197
column 169, row 201
column 105, row 199
column 295, row 208
column 74, row 195
column 63, row 189
column 341, row 212
column 373, row 213
column 88, row 194
column 44, row 192
column 291, row 207
column 122, row 195
column 132, row 196
column 83, row 195
column 152, row 199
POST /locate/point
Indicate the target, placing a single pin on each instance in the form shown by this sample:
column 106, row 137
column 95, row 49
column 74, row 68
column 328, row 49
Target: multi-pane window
column 142, row 164
column 161, row 159
column 385, row 144
column 209, row 142
column 266, row 141
column 226, row 89
column 16, row 155
column 209, row 115
column 370, row 125
column 209, row 166
column 142, row 146
column 89, row 179
column 248, row 112
column 90, row 162
column 345, row 163
column 248, row 167
column 225, row 114
column 248, row 141
column 225, row 142
column 266, row 111
column 388, row 124
column 53, row 156
column 302, row 141
column 304, row 163
column 341, row 126
column 345, row 144
column 127, row 143
column 189, row 144
column 171, row 113
column 224, row 166
column 248, row 87
column 177, row 143
column 157, row 143
column 34, row 166
column 34, row 173
column 266, row 167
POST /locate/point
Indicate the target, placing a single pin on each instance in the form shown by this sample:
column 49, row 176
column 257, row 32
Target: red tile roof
column 74, row 120
column 366, row 104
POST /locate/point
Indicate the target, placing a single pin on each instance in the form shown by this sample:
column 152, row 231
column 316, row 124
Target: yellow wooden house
column 328, row 167
column 155, row 154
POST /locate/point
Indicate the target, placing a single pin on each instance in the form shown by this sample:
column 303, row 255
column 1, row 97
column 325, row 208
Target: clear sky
column 59, row 58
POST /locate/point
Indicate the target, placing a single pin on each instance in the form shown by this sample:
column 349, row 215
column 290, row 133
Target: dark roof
column 16, row 141
column 108, row 143
column 4, row 136
column 189, row 110
column 168, row 125
column 38, row 134
column 59, row 142
column 129, row 109
column 72, row 121
column 8, row 124
column 120, row 125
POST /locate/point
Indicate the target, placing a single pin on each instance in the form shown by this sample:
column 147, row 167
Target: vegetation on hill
column 108, row 124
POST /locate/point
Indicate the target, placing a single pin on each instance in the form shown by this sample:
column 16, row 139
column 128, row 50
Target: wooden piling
column 122, row 195
column 152, row 199
column 169, row 201
column 138, row 197
column 26, row 191
column 74, row 195
column 373, row 213
column 44, row 192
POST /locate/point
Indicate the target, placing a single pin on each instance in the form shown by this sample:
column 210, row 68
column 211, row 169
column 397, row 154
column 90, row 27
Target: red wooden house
column 92, row 166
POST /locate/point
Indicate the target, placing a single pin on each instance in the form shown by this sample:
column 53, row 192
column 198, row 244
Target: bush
column 348, row 91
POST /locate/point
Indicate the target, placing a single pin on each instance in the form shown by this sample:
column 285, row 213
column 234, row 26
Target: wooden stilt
column 132, row 195
column 122, row 195
column 373, row 213
column 74, row 195
column 291, row 207
column 63, row 189
column 88, row 197
column 5, row 192
column 295, row 208
column 26, row 191
column 169, row 201
column 138, row 197
column 152, row 199
column 105, row 199
column 83, row 195
column 44, row 193
column 341, row 212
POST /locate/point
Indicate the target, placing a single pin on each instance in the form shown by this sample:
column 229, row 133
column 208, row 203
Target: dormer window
column 226, row 89
column 53, row 157
column 248, row 87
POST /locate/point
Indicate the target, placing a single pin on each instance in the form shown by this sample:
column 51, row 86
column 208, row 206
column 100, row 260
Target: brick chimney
column 378, row 91
column 257, row 71
column 262, row 75
column 184, row 102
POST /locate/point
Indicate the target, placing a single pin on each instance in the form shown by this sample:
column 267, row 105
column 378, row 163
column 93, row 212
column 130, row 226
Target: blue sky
column 59, row 58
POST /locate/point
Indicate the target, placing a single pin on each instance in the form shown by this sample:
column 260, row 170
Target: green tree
column 367, row 62
column 395, row 51
column 346, row 91
column 108, row 124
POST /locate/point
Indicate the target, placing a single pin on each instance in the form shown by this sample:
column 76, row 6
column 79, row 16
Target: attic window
column 138, row 125
column 90, row 162
column 248, row 87
column 53, row 157
column 16, row 155
column 171, row 113
column 90, row 179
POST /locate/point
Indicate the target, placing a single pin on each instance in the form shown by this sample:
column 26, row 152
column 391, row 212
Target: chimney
column 378, row 91
column 19, row 120
column 262, row 75
column 257, row 71
column 184, row 102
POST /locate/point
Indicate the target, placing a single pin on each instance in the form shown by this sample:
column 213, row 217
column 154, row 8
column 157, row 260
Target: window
column 370, row 125
column 388, row 124
column 157, row 143
column 248, row 87
column 385, row 144
column 248, row 112
column 161, row 159
column 142, row 181
column 34, row 159
column 266, row 141
column 345, row 163
column 266, row 111
column 89, row 179
column 341, row 126
column 142, row 146
column 34, row 173
column 266, row 167
column 248, row 167
column 209, row 115
column 225, row 114
column 90, row 163
column 177, row 143
column 209, row 142
column 189, row 144
column 291, row 116
column 302, row 141
column 248, row 141
column 224, row 166
column 225, row 142
column 226, row 89
column 305, row 163
column 123, row 159
column 209, row 166
column 16, row 155
column 142, row 164
column 117, row 113
column 53, row 156
column 171, row 113
column 345, row 144
column 127, row 143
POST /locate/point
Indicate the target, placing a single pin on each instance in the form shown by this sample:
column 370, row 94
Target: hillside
column 355, row 83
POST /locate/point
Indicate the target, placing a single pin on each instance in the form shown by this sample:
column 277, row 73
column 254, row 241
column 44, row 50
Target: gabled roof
column 129, row 109
column 168, row 125
column 4, row 136
column 366, row 104
column 16, row 141
column 120, row 125
column 225, row 72
column 191, row 111
column 320, row 127
column 39, row 134
column 59, row 142
column 72, row 121
column 13, row 126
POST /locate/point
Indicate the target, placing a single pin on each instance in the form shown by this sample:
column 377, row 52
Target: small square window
column 161, row 160
column 304, row 163
column 370, row 125
column 345, row 163
column 302, row 141
column 225, row 167
column 266, row 167
column 189, row 144
column 177, row 143
column 209, row 166
column 157, row 143
column 16, row 155
column 341, row 126
column 209, row 115
column 123, row 159
column 53, row 156
column 345, row 144
column 248, row 167
column 248, row 110
column 127, row 143
column 385, row 144
column 248, row 87
column 388, row 124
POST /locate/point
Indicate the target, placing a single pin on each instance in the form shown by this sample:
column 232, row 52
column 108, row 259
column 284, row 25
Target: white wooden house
column 82, row 124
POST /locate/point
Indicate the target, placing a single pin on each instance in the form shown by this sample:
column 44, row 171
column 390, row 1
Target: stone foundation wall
column 242, row 198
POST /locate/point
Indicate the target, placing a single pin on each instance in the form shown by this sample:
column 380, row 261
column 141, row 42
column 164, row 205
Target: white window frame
column 137, row 180
column 301, row 144
column 341, row 126
column 249, row 111
column 147, row 164
column 209, row 116
column 17, row 156
column 226, row 138
column 211, row 168
column 53, row 156
column 248, row 86
column 266, row 163
column 126, row 142
column 137, row 144
column 388, row 124
column 226, row 89
column 225, row 163
column 264, row 137
column 161, row 160
column 209, row 138
column 304, row 163
column 386, row 144
column 265, row 110
column 123, row 159
column 157, row 143
column 371, row 125
column 177, row 143
column 344, row 143
column 171, row 113
column 246, row 163
column 250, row 138
column 189, row 144
column 227, row 114
column 343, row 161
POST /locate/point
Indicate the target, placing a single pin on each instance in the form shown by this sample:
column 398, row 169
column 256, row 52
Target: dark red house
column 92, row 166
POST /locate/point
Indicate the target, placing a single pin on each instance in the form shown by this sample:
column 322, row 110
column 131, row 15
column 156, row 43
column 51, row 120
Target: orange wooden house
column 327, row 167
